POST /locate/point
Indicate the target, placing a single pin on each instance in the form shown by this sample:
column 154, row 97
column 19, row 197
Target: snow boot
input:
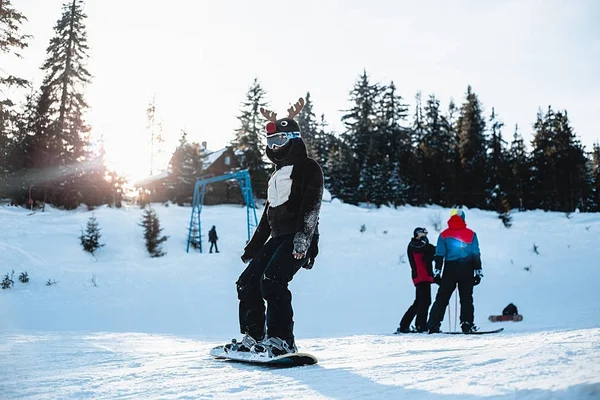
column 468, row 327
column 275, row 346
column 245, row 345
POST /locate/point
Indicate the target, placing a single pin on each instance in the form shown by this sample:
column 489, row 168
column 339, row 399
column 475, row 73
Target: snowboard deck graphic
column 474, row 333
column 501, row 318
column 286, row 360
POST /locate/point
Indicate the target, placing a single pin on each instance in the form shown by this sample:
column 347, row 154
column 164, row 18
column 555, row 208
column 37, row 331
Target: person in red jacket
column 457, row 252
column 420, row 255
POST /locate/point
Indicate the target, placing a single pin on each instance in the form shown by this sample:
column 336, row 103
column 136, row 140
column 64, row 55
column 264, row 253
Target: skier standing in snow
column 420, row 256
column 285, row 240
column 212, row 238
column 458, row 251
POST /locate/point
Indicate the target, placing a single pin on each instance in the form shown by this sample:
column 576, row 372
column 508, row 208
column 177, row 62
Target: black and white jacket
column 293, row 203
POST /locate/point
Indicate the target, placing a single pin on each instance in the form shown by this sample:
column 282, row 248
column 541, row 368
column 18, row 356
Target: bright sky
column 199, row 57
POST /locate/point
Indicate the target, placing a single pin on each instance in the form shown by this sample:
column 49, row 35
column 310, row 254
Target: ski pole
column 455, row 309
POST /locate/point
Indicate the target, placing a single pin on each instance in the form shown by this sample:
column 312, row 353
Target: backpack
column 510, row 309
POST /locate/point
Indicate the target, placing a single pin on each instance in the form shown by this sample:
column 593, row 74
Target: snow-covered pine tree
column 90, row 239
column 152, row 233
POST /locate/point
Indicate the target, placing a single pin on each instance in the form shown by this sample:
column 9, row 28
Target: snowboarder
column 420, row 256
column 285, row 240
column 212, row 238
column 457, row 251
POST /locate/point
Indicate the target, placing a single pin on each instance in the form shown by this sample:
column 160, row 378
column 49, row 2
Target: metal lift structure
column 243, row 179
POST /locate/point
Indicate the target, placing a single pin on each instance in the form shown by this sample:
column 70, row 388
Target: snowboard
column 501, row 318
column 406, row 333
column 286, row 360
column 474, row 333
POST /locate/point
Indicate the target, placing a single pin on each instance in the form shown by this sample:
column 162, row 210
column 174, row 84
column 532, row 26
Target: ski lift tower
column 243, row 178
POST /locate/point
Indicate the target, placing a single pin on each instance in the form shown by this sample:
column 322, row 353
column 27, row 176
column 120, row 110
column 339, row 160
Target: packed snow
column 123, row 325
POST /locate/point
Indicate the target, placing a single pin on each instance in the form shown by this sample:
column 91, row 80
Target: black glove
column 437, row 276
column 477, row 277
column 312, row 253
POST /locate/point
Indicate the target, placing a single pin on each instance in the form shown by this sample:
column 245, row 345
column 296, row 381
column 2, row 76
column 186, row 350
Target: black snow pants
column 419, row 308
column 455, row 274
column 266, row 278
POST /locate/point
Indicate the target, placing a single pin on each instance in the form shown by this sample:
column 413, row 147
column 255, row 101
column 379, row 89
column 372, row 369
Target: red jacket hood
column 456, row 222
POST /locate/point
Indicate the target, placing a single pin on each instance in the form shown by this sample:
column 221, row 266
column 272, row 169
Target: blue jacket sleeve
column 440, row 252
column 476, row 253
column 475, row 245
column 440, row 248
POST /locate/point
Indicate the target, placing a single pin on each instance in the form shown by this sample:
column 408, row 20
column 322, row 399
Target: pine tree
column 595, row 178
column 342, row 176
column 542, row 155
column 497, row 167
column 420, row 187
column 249, row 140
column 90, row 239
column 472, row 151
column 322, row 142
column 571, row 165
column 394, row 156
column 519, row 171
column 151, row 115
column 66, row 79
column 559, row 164
column 418, row 128
column 56, row 137
column 11, row 42
column 185, row 168
column 361, row 136
column 152, row 231
column 437, row 148
column 307, row 121
column 157, row 138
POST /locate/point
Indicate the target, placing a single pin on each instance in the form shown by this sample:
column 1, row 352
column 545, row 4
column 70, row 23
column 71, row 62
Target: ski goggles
column 281, row 139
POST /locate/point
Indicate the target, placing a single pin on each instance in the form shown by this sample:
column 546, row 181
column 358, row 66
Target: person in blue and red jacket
column 420, row 256
column 457, row 251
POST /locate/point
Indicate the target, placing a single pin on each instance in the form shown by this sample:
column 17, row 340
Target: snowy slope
column 144, row 329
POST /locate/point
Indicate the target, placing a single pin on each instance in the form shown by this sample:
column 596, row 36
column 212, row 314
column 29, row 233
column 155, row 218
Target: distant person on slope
column 420, row 256
column 212, row 238
column 285, row 240
column 458, row 251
